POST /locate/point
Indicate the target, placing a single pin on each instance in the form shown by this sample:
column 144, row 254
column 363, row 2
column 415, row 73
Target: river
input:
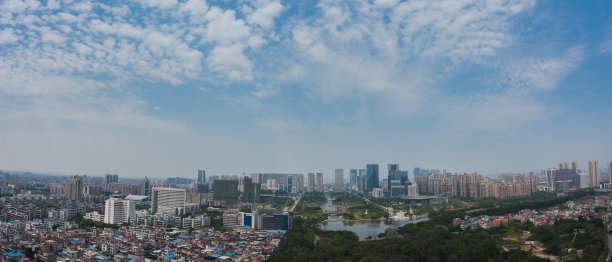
column 362, row 229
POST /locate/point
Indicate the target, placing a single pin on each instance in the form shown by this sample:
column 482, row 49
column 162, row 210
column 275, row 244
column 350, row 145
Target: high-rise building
column 566, row 179
column 145, row 187
column 289, row 184
column 168, row 200
column 292, row 183
column 417, row 171
column 390, row 174
column 403, row 176
column 75, row 189
column 594, row 173
column 339, row 181
column 610, row 171
column 319, row 182
column 372, row 177
column 550, row 178
column 201, row 177
column 311, row 182
column 361, row 181
column 110, row 178
column 118, row 211
column 564, row 165
column 226, row 191
column 396, row 188
column 575, row 166
column 251, row 192
column 352, row 178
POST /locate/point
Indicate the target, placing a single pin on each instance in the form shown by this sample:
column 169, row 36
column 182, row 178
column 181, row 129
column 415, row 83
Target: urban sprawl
column 239, row 218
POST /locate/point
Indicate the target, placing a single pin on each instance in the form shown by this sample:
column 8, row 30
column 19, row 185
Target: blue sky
column 166, row 87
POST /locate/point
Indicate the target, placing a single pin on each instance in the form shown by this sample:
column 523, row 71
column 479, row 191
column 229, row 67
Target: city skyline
column 329, row 176
column 164, row 88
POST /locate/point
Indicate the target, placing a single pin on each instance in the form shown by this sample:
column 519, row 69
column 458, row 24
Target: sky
column 166, row 87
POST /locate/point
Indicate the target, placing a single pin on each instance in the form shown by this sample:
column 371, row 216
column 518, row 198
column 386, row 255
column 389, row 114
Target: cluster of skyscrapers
column 315, row 187
column 566, row 177
column 365, row 180
column 475, row 186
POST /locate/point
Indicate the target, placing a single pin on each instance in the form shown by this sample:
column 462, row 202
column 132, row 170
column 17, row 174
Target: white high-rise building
column 339, row 181
column 118, row 211
column 75, row 189
column 319, row 184
column 594, row 173
column 584, row 180
column 610, row 171
column 311, row 182
column 168, row 200
column 201, row 177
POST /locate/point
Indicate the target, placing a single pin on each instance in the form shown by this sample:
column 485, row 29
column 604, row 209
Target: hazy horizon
column 164, row 88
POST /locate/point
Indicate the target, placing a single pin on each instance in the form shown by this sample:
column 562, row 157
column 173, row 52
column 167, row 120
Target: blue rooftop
column 13, row 222
column 215, row 255
column 13, row 254
column 182, row 236
column 169, row 256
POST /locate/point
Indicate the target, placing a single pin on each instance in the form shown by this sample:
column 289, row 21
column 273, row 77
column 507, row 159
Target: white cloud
column 385, row 3
column 231, row 61
column 18, row 6
column 503, row 114
column 606, row 47
column 8, row 36
column 82, row 49
column 265, row 13
column 84, row 6
column 511, row 104
column 51, row 36
column 223, row 27
column 53, row 4
column 162, row 4
column 388, row 51
column 265, row 92
column 542, row 73
column 196, row 8
column 455, row 29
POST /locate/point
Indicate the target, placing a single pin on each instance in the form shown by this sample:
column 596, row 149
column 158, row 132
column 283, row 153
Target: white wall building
column 339, row 180
column 118, row 211
column 95, row 216
column 168, row 200
column 584, row 180
column 377, row 192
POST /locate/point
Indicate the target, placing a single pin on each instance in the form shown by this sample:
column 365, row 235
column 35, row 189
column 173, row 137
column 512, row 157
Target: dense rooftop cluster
column 21, row 239
column 597, row 208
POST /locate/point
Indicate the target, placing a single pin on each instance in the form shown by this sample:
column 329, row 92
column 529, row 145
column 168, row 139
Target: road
column 294, row 204
column 389, row 210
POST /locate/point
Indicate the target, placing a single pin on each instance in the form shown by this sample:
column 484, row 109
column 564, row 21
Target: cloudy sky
column 166, row 87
